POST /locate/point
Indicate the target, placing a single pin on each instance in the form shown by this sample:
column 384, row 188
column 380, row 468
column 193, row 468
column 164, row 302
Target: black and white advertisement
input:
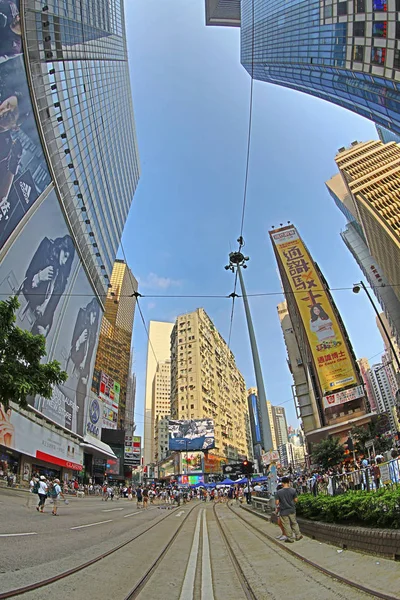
column 194, row 434
column 23, row 169
column 57, row 301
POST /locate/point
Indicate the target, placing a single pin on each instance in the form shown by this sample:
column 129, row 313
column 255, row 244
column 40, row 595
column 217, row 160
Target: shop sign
column 30, row 438
column 344, row 396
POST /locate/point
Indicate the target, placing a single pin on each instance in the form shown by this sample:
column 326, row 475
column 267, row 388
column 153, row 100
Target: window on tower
column 358, row 30
column 358, row 53
column 342, row 8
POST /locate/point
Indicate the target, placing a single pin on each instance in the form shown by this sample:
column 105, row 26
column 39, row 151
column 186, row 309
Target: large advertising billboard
column 23, row 169
column 57, row 301
column 193, row 434
column 192, row 462
column 329, row 349
column 109, row 394
column 255, row 419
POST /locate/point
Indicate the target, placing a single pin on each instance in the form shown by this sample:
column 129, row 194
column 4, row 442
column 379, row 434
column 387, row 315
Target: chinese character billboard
column 194, row 434
column 331, row 354
column 109, row 393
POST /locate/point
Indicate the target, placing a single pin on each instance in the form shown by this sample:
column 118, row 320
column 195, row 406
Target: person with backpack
column 33, row 485
column 56, row 493
column 42, row 493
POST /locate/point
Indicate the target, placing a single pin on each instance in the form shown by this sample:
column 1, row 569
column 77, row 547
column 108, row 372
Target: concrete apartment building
column 280, row 425
column 161, row 437
column 371, row 171
column 158, row 352
column 205, row 383
column 114, row 348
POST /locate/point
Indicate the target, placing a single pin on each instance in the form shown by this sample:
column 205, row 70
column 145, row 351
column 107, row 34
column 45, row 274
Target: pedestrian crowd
column 44, row 489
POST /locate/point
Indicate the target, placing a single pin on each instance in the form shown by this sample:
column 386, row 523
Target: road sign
column 369, row 444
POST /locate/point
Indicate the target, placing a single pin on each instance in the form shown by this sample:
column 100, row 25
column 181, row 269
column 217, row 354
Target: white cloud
column 154, row 281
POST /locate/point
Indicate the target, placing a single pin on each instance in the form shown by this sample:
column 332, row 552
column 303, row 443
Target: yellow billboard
column 331, row 354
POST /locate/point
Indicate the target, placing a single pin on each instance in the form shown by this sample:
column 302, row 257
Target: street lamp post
column 238, row 261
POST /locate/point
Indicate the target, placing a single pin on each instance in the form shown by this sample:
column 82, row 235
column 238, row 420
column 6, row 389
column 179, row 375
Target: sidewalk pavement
column 376, row 573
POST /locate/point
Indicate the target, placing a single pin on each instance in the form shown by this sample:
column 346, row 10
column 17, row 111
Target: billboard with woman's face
column 56, row 300
column 23, row 169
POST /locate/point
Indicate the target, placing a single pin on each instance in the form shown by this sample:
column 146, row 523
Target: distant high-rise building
column 380, row 378
column 114, row 349
column 130, row 400
column 393, row 339
column 205, row 383
column 255, row 422
column 161, row 437
column 280, row 424
column 371, row 171
column 364, row 366
column 325, row 349
column 272, row 425
column 346, row 52
column 302, row 389
column 158, row 352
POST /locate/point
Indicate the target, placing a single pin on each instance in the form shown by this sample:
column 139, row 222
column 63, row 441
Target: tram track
column 335, row 576
column 64, row 574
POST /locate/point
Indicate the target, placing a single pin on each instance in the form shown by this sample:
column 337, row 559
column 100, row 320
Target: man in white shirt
column 42, row 493
column 31, row 486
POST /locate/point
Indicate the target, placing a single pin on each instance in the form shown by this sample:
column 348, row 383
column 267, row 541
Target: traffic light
column 247, row 467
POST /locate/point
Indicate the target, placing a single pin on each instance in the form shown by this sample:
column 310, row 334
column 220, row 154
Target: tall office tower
column 371, row 171
column 302, row 388
column 161, row 438
column 114, row 349
column 393, row 339
column 280, row 424
column 256, row 423
column 158, row 352
column 355, row 240
column 78, row 66
column 321, row 337
column 380, row 381
column 346, row 52
column 69, row 170
column 364, row 367
column 130, row 400
column 205, row 383
column 161, row 400
column 387, row 136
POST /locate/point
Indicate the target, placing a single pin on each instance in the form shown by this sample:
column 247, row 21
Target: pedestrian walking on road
column 42, row 493
column 33, row 485
column 56, row 496
column 281, row 536
column 139, row 498
column 145, row 498
column 285, row 501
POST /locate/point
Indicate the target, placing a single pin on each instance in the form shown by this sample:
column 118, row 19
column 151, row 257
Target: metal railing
column 371, row 478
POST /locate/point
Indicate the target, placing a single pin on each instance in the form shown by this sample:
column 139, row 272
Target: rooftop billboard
column 193, row 434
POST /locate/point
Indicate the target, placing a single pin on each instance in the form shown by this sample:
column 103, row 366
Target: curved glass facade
column 345, row 52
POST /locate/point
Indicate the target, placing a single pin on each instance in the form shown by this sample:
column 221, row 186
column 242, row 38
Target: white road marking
column 207, row 592
column 111, row 509
column 17, row 534
column 188, row 583
column 138, row 511
column 180, row 513
column 91, row 524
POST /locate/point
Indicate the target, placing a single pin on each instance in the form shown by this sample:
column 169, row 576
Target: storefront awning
column 97, row 448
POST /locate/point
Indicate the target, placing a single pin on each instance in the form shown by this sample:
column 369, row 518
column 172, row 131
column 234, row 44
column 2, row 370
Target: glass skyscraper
column 77, row 55
column 346, row 52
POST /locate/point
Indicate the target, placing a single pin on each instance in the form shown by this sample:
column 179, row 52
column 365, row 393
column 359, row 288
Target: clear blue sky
column 191, row 102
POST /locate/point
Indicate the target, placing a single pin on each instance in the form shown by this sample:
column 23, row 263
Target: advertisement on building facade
column 345, row 396
column 192, row 462
column 128, row 450
column 136, row 450
column 194, row 434
column 331, row 355
column 213, row 463
column 109, row 394
column 19, row 433
column 255, row 420
column 93, row 416
column 269, row 457
column 57, row 301
column 23, row 169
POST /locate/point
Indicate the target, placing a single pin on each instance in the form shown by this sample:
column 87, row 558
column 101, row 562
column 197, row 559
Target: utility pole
column 238, row 261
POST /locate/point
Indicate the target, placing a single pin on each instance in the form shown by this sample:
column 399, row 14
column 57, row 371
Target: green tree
column 371, row 431
column 328, row 453
column 21, row 372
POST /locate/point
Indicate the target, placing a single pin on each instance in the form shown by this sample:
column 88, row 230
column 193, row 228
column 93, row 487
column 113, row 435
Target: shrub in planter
column 373, row 509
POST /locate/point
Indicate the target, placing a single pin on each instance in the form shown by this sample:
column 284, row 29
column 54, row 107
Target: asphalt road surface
column 196, row 565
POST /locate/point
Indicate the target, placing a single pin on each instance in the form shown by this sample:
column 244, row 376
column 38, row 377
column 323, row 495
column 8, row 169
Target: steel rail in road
column 85, row 565
column 244, row 582
column 135, row 591
column 332, row 574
